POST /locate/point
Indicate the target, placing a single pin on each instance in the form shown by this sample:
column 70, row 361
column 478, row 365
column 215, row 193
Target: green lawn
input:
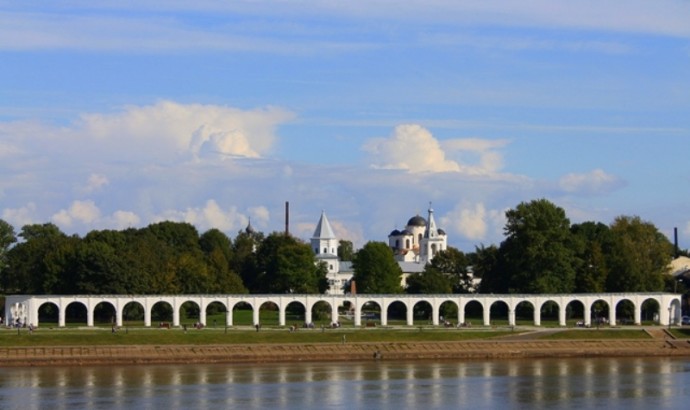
column 136, row 336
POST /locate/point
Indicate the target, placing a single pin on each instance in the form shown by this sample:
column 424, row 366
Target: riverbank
column 344, row 351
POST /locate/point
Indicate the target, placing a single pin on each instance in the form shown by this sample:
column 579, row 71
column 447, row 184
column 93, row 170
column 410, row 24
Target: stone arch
column 600, row 311
column 76, row 312
column 370, row 312
column 295, row 313
column 650, row 311
column 104, row 314
column 449, row 313
column 524, row 313
column 471, row 313
column 498, row 313
column 422, row 313
column 322, row 313
column 162, row 312
column 189, row 312
column 575, row 313
column 396, row 313
column 133, row 312
column 215, row 313
column 241, row 313
column 48, row 313
column 625, row 312
column 269, row 312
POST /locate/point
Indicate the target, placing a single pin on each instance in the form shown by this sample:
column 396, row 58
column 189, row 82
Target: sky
column 118, row 114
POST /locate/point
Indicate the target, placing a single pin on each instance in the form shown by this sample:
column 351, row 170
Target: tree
column 431, row 281
column 217, row 249
column 592, row 243
column 639, row 256
column 537, row 252
column 345, row 250
column 453, row 263
column 39, row 264
column 244, row 259
column 288, row 265
column 487, row 264
column 376, row 270
column 7, row 238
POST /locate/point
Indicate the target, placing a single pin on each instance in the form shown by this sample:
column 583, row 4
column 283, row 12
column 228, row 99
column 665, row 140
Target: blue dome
column 416, row 221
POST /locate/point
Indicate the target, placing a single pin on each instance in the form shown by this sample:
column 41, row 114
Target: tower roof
column 416, row 221
column 323, row 228
column 431, row 230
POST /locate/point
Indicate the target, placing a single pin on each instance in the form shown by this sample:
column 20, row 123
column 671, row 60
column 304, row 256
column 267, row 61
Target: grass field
column 149, row 336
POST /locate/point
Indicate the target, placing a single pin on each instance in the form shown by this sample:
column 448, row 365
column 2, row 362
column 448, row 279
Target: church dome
column 405, row 232
column 441, row 231
column 416, row 221
column 394, row 233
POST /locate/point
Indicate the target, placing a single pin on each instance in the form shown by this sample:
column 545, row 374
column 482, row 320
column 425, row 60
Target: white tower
column 325, row 244
column 434, row 239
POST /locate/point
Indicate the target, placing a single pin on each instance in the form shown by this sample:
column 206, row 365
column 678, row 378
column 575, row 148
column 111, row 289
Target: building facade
column 413, row 248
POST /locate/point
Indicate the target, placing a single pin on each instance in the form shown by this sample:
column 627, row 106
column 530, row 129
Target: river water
column 628, row 383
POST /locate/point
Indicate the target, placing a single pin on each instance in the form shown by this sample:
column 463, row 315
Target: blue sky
column 123, row 113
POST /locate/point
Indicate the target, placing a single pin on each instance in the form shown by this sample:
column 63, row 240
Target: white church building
column 413, row 247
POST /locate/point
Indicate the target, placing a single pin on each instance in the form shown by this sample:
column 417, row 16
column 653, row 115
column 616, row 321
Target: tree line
column 542, row 253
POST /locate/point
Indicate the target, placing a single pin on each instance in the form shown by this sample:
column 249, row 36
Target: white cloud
column 474, row 221
column 95, row 182
column 171, row 129
column 414, row 148
column 211, row 215
column 594, row 182
column 411, row 148
column 85, row 212
column 21, row 216
column 123, row 220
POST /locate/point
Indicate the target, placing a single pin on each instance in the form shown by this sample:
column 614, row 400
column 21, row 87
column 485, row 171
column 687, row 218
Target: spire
column 249, row 229
column 431, row 230
column 323, row 228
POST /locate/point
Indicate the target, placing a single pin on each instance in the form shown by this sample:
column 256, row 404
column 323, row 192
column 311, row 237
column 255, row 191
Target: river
column 616, row 383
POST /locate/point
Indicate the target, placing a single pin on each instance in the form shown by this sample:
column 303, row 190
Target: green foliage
column 639, row 256
column 345, row 250
column 287, row 265
column 592, row 243
column 7, row 239
column 431, row 281
column 537, row 252
column 376, row 270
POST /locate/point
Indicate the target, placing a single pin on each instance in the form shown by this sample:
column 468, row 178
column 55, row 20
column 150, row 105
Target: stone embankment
column 261, row 353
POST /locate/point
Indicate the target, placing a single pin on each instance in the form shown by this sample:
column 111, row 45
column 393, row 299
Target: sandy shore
column 262, row 353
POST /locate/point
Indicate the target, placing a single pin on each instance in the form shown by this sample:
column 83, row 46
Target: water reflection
column 589, row 383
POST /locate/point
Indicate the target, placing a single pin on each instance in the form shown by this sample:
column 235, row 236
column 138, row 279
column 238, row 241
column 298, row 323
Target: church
column 412, row 247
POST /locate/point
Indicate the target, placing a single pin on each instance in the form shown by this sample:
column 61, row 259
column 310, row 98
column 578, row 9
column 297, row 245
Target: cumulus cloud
column 123, row 220
column 95, row 182
column 85, row 212
column 21, row 216
column 171, row 129
column 411, row 147
column 211, row 215
column 594, row 182
column 415, row 149
column 474, row 221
